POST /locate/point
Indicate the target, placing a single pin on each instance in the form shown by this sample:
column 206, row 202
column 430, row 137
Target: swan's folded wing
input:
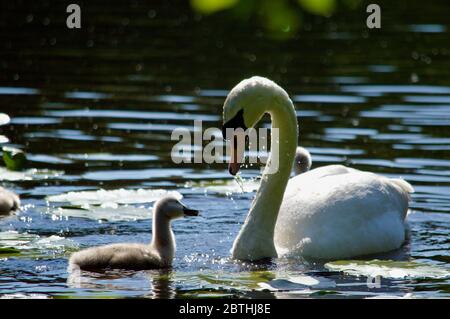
column 402, row 184
column 304, row 181
column 342, row 215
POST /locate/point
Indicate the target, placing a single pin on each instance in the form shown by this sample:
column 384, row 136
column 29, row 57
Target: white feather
column 337, row 212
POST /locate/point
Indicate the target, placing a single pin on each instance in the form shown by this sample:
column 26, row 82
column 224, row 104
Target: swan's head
column 244, row 106
column 248, row 101
column 171, row 208
column 303, row 161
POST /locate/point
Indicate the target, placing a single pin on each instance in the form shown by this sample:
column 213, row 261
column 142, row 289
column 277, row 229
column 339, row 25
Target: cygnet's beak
column 190, row 212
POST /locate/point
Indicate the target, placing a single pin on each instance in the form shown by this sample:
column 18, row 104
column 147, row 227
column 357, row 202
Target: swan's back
column 338, row 212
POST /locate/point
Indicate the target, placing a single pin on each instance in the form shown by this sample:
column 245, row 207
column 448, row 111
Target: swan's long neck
column 163, row 240
column 255, row 240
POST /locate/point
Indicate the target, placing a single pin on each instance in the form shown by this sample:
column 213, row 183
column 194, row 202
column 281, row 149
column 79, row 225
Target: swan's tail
column 403, row 185
column 406, row 189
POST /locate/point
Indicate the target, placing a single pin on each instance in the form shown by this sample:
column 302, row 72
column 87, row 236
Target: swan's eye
column 236, row 122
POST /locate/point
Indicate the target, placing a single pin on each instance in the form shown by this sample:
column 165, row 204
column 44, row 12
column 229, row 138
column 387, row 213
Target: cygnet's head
column 9, row 202
column 302, row 162
column 172, row 208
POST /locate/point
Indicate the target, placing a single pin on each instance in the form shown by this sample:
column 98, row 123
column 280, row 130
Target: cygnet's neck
column 163, row 240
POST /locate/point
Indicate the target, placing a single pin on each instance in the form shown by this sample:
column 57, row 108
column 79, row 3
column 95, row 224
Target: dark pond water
column 95, row 108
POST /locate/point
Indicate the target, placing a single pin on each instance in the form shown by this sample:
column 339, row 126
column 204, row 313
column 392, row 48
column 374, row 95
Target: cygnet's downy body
column 158, row 254
column 9, row 202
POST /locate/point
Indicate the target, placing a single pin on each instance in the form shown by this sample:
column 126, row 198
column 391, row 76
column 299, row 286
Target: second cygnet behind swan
column 9, row 202
column 158, row 254
column 302, row 160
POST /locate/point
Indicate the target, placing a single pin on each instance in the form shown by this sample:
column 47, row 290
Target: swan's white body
column 335, row 212
column 330, row 212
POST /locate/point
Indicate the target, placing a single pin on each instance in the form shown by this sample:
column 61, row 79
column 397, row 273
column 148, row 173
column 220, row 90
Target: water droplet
column 414, row 78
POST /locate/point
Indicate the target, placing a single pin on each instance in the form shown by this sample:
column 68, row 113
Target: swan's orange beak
column 236, row 156
column 237, row 150
column 233, row 168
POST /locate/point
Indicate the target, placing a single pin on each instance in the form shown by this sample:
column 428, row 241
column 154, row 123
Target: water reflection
column 156, row 284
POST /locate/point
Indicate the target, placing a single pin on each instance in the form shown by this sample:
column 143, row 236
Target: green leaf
column 324, row 293
column 319, row 7
column 14, row 158
column 9, row 251
column 13, row 243
column 351, row 4
column 389, row 268
column 280, row 18
column 212, row 6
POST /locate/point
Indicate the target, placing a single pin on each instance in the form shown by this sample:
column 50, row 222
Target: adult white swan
column 330, row 212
